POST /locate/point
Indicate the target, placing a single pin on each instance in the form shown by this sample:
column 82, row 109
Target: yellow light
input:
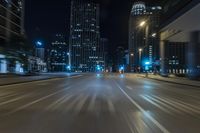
column 142, row 23
column 140, row 50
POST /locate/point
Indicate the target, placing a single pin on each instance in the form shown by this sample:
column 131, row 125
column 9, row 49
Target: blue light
column 98, row 68
column 69, row 67
column 147, row 63
column 146, row 68
column 122, row 68
column 39, row 43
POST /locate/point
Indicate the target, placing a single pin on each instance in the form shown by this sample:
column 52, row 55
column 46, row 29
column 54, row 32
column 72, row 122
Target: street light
column 142, row 23
column 98, row 67
column 39, row 43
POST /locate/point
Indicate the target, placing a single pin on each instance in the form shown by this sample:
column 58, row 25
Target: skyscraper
column 11, row 19
column 84, row 36
column 104, row 52
column 143, row 40
column 119, row 58
column 11, row 28
column 58, row 54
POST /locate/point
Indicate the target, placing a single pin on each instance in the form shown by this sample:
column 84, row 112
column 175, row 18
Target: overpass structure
column 183, row 26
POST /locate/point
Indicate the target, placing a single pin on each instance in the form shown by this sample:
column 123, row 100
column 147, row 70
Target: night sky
column 45, row 18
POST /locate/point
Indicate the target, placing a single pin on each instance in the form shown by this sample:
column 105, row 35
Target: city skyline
column 58, row 19
column 100, row 66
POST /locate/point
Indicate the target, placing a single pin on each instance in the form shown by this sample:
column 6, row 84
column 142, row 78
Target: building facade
column 11, row 27
column 143, row 39
column 85, row 49
column 58, row 55
column 11, row 19
column 40, row 50
column 180, row 25
column 176, row 58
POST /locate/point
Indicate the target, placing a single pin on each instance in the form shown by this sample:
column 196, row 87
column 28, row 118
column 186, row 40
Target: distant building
column 85, row 49
column 126, row 60
column 143, row 40
column 119, row 58
column 40, row 50
column 36, row 64
column 104, row 51
column 58, row 55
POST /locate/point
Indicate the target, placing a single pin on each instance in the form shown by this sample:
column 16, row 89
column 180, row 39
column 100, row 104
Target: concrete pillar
column 193, row 55
column 163, row 60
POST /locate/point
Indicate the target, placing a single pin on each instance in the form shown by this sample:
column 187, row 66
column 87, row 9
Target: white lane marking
column 8, row 96
column 163, row 103
column 187, row 104
column 34, row 102
column 129, row 87
column 77, row 76
column 155, row 104
column 182, row 107
column 13, row 100
column 58, row 102
column 161, row 127
column 173, row 104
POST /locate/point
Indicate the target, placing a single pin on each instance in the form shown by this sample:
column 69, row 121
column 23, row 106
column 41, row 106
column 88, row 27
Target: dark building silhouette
column 143, row 39
column 119, row 58
column 58, row 54
column 85, row 49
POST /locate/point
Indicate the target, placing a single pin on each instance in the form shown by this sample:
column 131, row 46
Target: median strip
column 38, row 80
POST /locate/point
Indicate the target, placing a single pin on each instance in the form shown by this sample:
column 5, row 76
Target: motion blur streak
column 106, row 104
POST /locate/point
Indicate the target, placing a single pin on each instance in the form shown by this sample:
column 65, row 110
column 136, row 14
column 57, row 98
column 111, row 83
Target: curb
column 170, row 82
column 15, row 83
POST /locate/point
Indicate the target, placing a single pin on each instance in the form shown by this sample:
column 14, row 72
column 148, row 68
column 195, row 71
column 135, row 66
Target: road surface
column 99, row 104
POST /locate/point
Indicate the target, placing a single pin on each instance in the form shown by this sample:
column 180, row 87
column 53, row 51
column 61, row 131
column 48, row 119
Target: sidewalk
column 175, row 80
column 14, row 79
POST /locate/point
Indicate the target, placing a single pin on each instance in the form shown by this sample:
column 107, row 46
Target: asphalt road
column 99, row 104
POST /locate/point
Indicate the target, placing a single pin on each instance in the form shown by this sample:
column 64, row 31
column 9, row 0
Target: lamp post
column 146, row 25
column 131, row 61
column 140, row 58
